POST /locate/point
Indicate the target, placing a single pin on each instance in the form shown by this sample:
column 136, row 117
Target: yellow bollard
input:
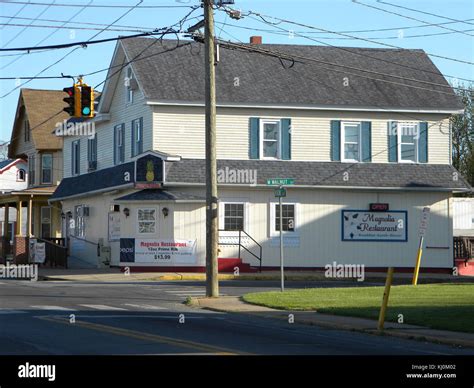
column 386, row 294
column 418, row 263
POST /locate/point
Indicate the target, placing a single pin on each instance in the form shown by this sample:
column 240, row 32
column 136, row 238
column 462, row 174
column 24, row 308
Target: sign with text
column 425, row 218
column 363, row 225
column 280, row 182
column 379, row 207
column 114, row 226
column 158, row 252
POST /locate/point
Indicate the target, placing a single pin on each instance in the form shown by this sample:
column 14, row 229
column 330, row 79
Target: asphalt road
column 58, row 318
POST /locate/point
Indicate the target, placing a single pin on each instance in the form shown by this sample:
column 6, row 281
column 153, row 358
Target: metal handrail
column 258, row 257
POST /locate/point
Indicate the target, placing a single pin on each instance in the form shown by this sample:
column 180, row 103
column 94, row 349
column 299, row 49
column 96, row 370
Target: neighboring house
column 463, row 216
column 37, row 114
column 349, row 139
column 13, row 177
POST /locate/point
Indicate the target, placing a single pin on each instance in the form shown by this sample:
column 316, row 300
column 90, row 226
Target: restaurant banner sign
column 363, row 225
column 158, row 252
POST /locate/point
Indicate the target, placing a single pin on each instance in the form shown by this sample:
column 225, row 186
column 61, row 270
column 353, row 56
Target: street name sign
column 280, row 182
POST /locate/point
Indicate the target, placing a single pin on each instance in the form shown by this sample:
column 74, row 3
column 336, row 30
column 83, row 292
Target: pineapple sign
column 149, row 172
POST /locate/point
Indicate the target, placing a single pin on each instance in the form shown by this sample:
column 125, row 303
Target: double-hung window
column 79, row 222
column 288, row 217
column 137, row 136
column 270, row 135
column 351, row 141
column 233, row 216
column 146, row 220
column 31, row 170
column 46, row 168
column 119, row 143
column 128, row 86
column 75, row 157
column 92, row 151
column 408, row 135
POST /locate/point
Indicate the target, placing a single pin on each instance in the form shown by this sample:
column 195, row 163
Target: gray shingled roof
column 178, row 75
column 160, row 195
column 318, row 174
column 94, row 181
column 362, row 175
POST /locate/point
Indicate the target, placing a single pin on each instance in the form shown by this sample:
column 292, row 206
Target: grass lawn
column 439, row 306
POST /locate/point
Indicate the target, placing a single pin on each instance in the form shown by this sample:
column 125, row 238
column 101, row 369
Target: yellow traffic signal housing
column 87, row 101
column 73, row 100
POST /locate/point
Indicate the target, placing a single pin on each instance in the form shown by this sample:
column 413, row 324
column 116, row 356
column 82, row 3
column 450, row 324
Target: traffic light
column 72, row 100
column 87, row 101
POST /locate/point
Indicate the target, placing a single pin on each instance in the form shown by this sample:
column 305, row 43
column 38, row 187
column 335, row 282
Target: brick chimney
column 255, row 40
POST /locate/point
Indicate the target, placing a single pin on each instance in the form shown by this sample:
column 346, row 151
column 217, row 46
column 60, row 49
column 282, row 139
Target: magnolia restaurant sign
column 157, row 252
column 363, row 225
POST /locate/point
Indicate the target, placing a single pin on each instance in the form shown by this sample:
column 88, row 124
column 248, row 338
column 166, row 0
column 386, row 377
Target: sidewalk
column 232, row 304
column 115, row 275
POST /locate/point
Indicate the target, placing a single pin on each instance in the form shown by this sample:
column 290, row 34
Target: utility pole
column 212, row 231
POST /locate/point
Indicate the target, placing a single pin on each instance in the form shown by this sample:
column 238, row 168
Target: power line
column 16, row 14
column 263, row 17
column 24, row 29
column 351, row 51
column 428, row 13
column 48, row 36
column 95, row 5
column 292, row 57
column 408, row 17
column 343, row 38
column 131, row 8
column 69, row 27
column 82, row 44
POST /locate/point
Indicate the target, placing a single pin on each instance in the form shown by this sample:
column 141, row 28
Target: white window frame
column 156, row 221
column 222, row 215
column 343, row 141
column 119, row 133
column 42, row 169
column 18, row 173
column 262, row 140
column 273, row 231
column 50, row 210
column 128, row 89
column 76, row 157
column 399, row 141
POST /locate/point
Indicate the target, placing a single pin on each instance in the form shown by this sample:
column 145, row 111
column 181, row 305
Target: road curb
column 195, row 302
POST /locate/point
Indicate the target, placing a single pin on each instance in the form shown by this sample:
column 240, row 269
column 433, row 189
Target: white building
column 463, row 216
column 13, row 177
column 348, row 141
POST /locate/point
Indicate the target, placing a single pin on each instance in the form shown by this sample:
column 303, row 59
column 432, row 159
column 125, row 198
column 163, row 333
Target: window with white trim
column 75, row 157
column 20, row 175
column 119, row 151
column 146, row 220
column 288, row 217
column 46, row 168
column 270, row 139
column 350, row 141
column 234, row 214
column 408, row 135
column 128, row 86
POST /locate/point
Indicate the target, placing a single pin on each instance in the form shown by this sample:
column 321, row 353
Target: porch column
column 30, row 217
column 7, row 221
column 18, row 218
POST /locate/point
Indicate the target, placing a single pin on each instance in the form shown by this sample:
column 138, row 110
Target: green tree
column 463, row 134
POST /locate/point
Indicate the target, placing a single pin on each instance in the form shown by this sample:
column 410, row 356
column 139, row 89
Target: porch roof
column 160, row 195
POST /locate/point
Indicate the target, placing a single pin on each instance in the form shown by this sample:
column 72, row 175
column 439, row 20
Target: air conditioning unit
column 92, row 165
column 115, row 208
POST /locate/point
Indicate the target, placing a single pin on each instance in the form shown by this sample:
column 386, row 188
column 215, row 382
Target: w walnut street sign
column 280, row 182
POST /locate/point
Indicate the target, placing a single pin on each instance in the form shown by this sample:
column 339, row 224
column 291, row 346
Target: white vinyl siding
column 181, row 131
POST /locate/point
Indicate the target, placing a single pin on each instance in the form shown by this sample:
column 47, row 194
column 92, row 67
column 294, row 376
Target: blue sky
column 334, row 15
